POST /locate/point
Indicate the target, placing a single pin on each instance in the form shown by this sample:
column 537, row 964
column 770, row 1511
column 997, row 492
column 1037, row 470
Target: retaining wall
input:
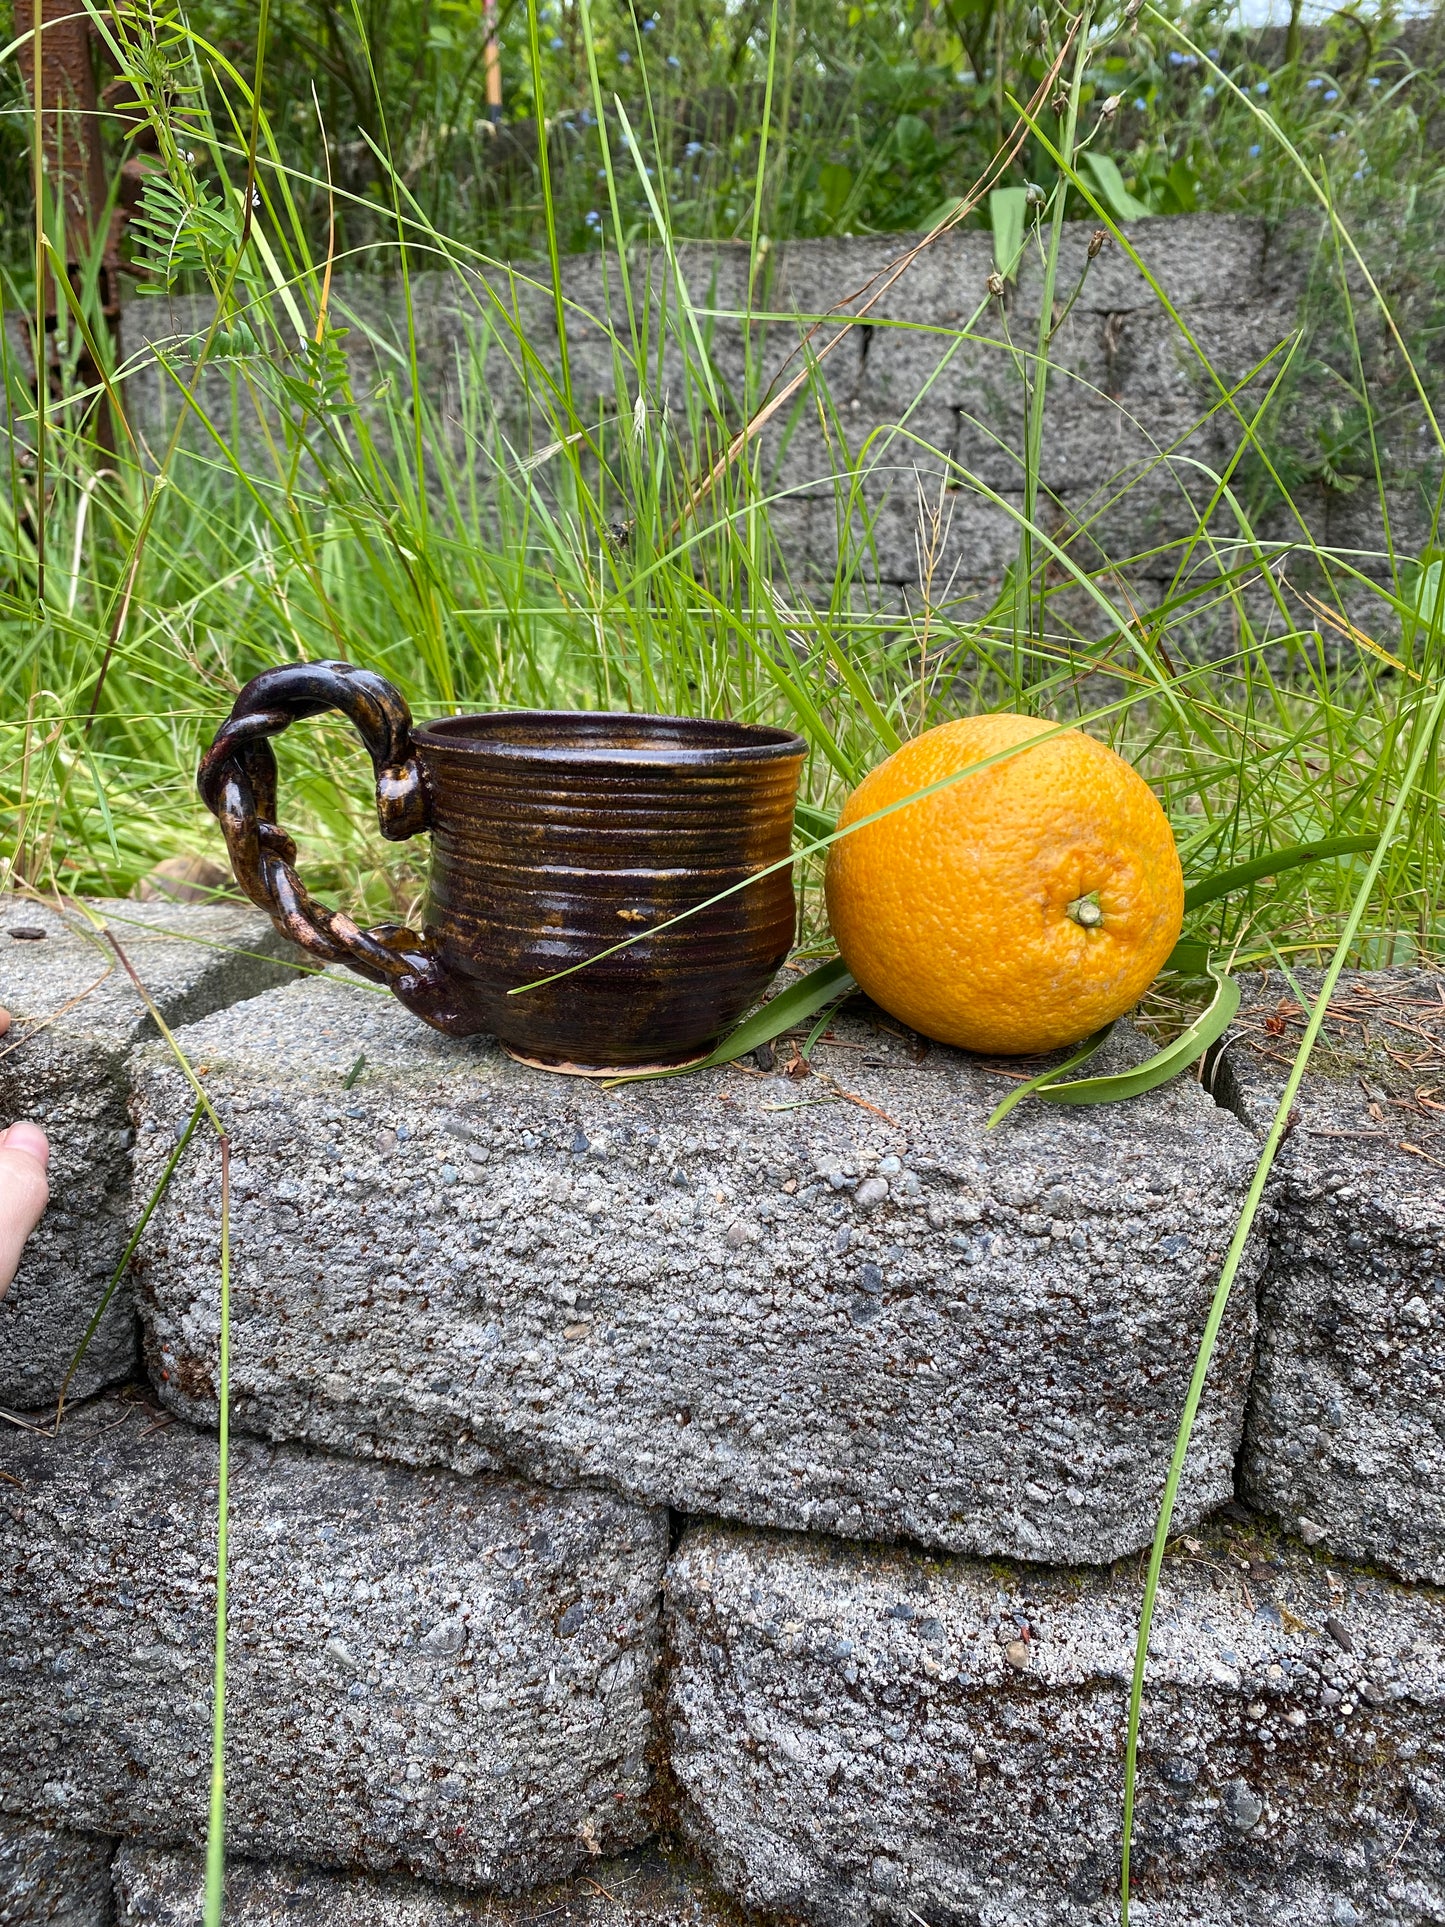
column 1137, row 422
column 756, row 1464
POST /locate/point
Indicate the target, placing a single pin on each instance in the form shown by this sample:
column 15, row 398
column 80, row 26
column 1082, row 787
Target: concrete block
column 1346, row 1436
column 75, row 1016
column 50, row 1879
column 649, row 1889
column 1206, row 260
column 863, row 1736
column 443, row 1675
column 726, row 1293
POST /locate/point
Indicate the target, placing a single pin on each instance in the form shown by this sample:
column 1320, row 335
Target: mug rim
column 752, row 742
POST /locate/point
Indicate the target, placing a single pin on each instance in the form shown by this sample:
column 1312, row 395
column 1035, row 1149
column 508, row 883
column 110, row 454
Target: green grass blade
column 216, row 1819
column 1224, row 882
column 1426, row 734
column 1020, row 1091
column 93, row 1327
column 829, row 983
column 1206, row 1029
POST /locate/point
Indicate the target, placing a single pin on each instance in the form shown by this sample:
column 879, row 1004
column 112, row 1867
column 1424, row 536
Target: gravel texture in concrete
column 51, row 1879
column 75, row 1015
column 648, row 1889
column 1346, row 1434
column 447, row 1676
column 745, row 1295
column 878, row 1737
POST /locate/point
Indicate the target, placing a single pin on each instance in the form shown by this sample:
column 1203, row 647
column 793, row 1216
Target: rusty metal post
column 74, row 166
column 493, row 63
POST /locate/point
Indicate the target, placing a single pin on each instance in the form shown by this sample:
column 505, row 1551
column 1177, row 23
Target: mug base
column 563, row 1067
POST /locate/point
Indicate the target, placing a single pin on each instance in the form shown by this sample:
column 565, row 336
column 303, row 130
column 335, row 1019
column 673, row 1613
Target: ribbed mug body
column 555, row 836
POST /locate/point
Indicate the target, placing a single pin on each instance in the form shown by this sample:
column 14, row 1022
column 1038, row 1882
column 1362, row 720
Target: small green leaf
column 830, row 983
column 1007, row 212
column 1021, row 1091
column 1183, row 186
column 1189, row 958
column 1155, row 1070
column 1110, row 183
column 1164, row 1064
column 1223, row 882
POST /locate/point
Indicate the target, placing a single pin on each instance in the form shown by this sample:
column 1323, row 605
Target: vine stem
column 1234, row 1257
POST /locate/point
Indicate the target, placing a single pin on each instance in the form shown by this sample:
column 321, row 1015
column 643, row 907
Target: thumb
column 24, row 1192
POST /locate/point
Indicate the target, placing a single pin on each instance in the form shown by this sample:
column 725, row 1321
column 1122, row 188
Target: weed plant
column 311, row 496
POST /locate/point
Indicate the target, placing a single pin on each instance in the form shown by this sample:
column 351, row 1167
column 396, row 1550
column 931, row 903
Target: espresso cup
column 554, row 836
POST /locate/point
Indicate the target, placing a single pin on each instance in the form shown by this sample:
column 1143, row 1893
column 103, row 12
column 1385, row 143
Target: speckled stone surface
column 646, row 1889
column 443, row 1675
column 1346, row 1435
column 732, row 1294
column 869, row 1737
column 76, row 1014
column 50, row 1879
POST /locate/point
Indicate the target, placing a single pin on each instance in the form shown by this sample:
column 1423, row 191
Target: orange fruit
column 1015, row 910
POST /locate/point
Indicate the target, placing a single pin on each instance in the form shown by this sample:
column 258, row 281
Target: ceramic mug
column 554, row 834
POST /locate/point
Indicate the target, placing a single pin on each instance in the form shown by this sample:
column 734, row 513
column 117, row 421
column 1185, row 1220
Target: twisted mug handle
column 237, row 781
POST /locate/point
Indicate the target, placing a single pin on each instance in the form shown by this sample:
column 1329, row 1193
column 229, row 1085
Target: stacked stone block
column 1346, row 1439
column 753, row 1463
column 76, row 1015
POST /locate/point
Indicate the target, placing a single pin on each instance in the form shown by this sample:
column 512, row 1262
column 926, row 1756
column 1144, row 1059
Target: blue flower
column 593, row 218
column 648, row 25
column 1261, row 86
column 692, row 148
column 1140, row 105
column 1208, row 92
column 1331, row 93
column 587, row 118
column 624, row 58
column 1374, row 80
column 1254, row 152
column 557, row 43
column 1316, row 82
column 673, row 61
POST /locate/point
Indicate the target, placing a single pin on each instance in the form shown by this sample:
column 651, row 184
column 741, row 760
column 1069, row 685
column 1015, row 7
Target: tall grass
column 517, row 544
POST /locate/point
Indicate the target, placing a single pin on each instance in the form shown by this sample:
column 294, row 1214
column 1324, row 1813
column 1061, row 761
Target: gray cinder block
column 443, row 1675
column 159, row 1889
column 75, row 1016
column 866, row 1737
column 50, row 1879
column 1346, row 1435
column 731, row 1294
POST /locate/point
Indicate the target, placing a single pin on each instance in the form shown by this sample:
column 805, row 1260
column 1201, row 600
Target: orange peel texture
column 1016, row 910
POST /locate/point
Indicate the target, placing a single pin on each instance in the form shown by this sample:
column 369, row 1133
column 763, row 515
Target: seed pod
column 1034, row 195
column 995, row 283
column 1111, row 106
column 1097, row 241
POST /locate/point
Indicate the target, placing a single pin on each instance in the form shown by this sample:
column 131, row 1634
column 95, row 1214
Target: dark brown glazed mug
column 554, row 835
